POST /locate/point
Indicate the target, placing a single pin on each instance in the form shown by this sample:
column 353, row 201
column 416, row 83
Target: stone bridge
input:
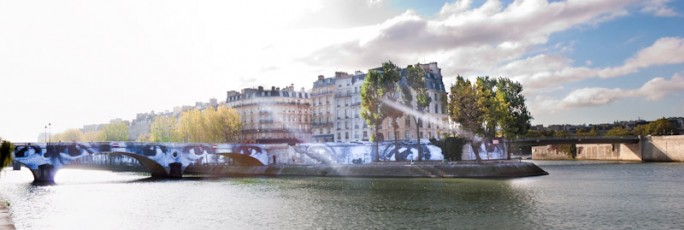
column 171, row 159
column 575, row 140
column 161, row 159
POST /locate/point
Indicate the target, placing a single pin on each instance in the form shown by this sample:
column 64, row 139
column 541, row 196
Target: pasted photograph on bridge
column 171, row 159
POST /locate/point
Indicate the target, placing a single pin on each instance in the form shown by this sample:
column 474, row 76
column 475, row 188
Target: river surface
column 576, row 195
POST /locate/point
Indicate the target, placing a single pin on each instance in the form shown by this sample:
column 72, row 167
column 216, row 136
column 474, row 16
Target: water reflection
column 583, row 195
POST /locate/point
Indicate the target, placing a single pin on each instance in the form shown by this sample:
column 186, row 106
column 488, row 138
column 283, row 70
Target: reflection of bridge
column 574, row 140
column 161, row 159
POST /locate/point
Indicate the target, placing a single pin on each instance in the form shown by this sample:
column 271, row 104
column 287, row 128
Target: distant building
column 273, row 116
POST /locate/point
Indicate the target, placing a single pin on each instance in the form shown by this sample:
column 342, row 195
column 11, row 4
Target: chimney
column 320, row 77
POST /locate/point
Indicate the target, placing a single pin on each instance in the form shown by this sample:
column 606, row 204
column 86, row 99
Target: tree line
column 214, row 125
column 658, row 127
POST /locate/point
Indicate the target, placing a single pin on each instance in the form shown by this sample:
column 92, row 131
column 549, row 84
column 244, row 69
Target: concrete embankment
column 5, row 217
column 498, row 169
column 649, row 149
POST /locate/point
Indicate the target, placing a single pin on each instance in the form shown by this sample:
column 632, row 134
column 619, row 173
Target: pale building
column 323, row 109
column 349, row 126
column 273, row 116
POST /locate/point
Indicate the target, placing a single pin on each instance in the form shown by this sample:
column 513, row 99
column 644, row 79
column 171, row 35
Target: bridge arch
column 242, row 159
column 155, row 168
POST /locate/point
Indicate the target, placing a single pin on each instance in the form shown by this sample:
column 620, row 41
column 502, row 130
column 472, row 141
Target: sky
column 77, row 62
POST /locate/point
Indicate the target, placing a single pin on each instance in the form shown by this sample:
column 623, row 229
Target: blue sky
column 73, row 63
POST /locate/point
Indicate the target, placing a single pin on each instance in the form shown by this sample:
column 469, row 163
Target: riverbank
column 485, row 169
column 5, row 217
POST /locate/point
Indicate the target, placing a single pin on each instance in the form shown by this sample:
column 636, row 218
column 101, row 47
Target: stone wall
column 598, row 152
column 663, row 148
column 651, row 148
column 547, row 152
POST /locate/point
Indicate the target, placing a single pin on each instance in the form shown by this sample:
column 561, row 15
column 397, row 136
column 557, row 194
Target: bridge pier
column 44, row 174
column 176, row 170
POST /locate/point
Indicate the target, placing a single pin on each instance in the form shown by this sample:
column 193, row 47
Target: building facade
column 348, row 126
column 322, row 109
column 273, row 116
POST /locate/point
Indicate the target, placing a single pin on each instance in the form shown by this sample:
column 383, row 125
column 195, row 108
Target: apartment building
column 323, row 109
column 348, row 125
column 273, row 116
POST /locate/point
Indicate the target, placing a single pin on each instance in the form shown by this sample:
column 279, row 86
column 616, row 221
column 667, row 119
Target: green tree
column 662, row 126
column 514, row 118
column 163, row 129
column 618, row 131
column 465, row 110
column 486, row 101
column 415, row 79
column 658, row 127
column 214, row 125
column 587, row 133
column 92, row 136
column 371, row 94
column 69, row 135
column 223, row 125
column 489, row 108
column 5, row 153
column 191, row 126
column 389, row 81
column 114, row 131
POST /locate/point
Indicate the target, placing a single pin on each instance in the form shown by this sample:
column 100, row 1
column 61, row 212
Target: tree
column 415, row 79
column 218, row 125
column 658, row 127
column 92, row 136
column 223, row 125
column 191, row 126
column 587, row 133
column 464, row 109
column 389, row 82
column 5, row 153
column 114, row 131
column 163, row 129
column 377, row 87
column 514, row 118
column 69, row 135
column 370, row 106
column 489, row 108
column 618, row 131
column 486, row 101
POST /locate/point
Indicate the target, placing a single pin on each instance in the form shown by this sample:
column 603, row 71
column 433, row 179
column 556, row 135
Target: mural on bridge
column 59, row 154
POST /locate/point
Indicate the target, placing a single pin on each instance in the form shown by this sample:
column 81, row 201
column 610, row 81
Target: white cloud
column 657, row 88
column 658, row 8
column 520, row 25
column 588, row 97
column 653, row 90
column 548, row 71
column 664, row 51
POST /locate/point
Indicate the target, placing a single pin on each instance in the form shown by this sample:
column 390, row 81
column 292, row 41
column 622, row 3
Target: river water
column 576, row 195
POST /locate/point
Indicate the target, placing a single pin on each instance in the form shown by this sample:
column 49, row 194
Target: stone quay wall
column 650, row 148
